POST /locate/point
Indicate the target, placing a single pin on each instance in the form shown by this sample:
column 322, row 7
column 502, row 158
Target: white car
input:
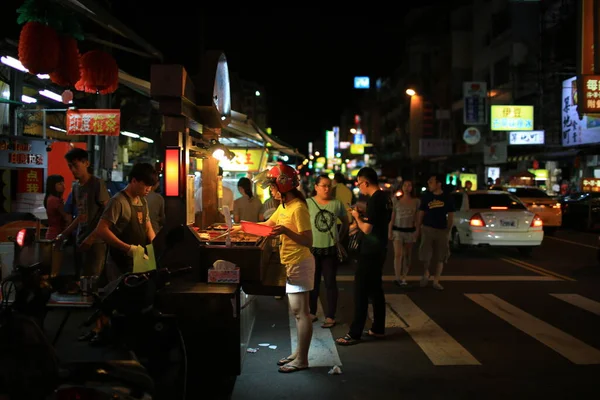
column 494, row 218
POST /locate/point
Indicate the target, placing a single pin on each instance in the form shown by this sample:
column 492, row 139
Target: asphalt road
column 506, row 326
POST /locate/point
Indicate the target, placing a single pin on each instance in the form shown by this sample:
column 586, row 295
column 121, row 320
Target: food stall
column 194, row 113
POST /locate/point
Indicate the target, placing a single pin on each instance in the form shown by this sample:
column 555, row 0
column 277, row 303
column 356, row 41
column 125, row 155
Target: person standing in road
column 373, row 251
column 125, row 224
column 402, row 231
column 324, row 213
column 291, row 222
column 434, row 223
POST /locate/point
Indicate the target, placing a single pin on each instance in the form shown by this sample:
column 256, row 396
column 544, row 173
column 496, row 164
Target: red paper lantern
column 67, row 71
column 99, row 73
column 38, row 48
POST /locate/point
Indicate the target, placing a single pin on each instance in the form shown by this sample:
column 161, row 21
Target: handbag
column 342, row 255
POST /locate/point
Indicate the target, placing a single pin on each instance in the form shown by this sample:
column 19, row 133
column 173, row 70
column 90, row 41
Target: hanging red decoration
column 38, row 48
column 67, row 71
column 99, row 73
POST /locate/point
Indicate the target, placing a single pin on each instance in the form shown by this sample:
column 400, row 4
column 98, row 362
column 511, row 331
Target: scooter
column 30, row 368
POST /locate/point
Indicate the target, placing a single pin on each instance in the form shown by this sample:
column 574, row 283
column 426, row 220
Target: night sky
column 306, row 59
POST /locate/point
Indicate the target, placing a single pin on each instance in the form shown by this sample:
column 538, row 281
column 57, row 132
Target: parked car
column 494, row 218
column 539, row 202
column 581, row 210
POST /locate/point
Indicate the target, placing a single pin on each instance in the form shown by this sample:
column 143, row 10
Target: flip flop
column 327, row 325
column 288, row 369
column 347, row 341
column 284, row 361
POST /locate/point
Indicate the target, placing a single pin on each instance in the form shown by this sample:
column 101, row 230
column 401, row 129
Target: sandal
column 288, row 369
column 284, row 361
column 328, row 324
column 347, row 341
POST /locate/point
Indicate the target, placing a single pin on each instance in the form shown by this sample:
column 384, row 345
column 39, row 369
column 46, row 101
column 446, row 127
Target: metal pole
column 16, row 133
column 44, row 123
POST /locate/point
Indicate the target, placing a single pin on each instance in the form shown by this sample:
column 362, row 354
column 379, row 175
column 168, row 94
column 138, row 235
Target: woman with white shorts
column 291, row 221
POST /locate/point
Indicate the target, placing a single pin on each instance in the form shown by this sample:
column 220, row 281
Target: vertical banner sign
column 30, row 180
column 587, row 37
column 94, row 122
column 475, row 98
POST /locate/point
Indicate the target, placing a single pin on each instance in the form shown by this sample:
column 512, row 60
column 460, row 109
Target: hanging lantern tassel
column 99, row 73
column 38, row 48
column 67, row 96
column 67, row 71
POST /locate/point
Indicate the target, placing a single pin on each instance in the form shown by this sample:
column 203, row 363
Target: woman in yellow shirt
column 291, row 221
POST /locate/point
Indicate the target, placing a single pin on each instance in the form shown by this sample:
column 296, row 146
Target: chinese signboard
column 590, row 99
column 30, row 180
column 576, row 131
column 475, row 97
column 249, row 160
column 512, row 118
column 22, row 153
column 590, row 185
column 533, row 137
column 94, row 122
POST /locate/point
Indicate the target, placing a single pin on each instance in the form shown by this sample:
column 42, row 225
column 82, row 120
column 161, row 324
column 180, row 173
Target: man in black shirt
column 373, row 251
column 434, row 223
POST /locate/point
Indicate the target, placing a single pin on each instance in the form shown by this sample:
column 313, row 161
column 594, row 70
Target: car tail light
column 21, row 237
column 536, row 222
column 477, row 221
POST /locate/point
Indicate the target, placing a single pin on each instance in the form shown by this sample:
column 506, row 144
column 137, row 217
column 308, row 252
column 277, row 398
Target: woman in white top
column 247, row 207
column 402, row 230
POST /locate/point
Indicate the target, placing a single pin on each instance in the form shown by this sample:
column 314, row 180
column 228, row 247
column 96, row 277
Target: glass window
column 528, row 193
column 489, row 201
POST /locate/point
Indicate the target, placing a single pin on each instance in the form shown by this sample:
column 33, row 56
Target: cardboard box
column 232, row 276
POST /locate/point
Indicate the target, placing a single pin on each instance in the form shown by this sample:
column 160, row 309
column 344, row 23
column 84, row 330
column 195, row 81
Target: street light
column 257, row 93
column 411, row 92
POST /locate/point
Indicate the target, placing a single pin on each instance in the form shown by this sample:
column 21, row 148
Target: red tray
column 256, row 229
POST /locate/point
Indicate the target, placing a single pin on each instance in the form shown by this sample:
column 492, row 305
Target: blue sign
column 362, row 82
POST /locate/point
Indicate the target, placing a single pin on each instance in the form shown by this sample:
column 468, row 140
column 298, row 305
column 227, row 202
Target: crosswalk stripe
column 437, row 344
column 323, row 351
column 392, row 319
column 566, row 345
column 467, row 278
column 579, row 301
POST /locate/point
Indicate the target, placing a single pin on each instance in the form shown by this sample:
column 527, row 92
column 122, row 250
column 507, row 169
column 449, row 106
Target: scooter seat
column 126, row 372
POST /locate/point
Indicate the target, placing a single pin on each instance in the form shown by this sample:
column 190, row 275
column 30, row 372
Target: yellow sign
column 512, row 118
column 246, row 160
column 357, row 148
column 540, row 174
column 469, row 177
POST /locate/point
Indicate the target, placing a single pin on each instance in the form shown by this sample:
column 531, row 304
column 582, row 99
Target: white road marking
column 571, row 242
column 467, row 278
column 579, row 301
column 323, row 350
column 566, row 345
column 437, row 344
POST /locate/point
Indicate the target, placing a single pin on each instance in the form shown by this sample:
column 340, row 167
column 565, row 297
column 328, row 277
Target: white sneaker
column 424, row 280
column 437, row 286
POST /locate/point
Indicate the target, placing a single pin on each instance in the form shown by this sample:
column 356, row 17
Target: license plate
column 508, row 223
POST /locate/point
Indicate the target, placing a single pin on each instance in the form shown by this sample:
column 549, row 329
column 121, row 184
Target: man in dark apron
column 125, row 224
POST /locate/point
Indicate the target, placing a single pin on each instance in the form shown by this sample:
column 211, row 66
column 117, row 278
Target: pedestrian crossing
column 442, row 349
